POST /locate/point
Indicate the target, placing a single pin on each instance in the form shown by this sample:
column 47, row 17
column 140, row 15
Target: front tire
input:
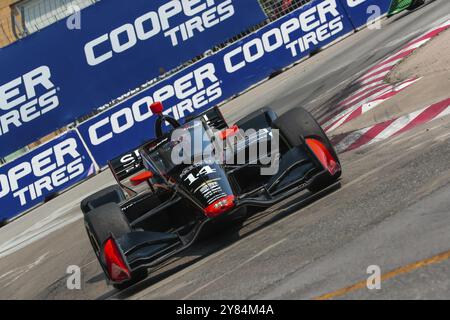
column 136, row 277
column 297, row 123
column 100, row 223
column 112, row 194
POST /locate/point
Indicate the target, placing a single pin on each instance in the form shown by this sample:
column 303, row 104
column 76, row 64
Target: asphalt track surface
column 391, row 211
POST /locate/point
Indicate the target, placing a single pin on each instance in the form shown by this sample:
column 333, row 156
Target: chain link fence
column 31, row 16
column 278, row 8
column 23, row 18
column 274, row 9
column 27, row 17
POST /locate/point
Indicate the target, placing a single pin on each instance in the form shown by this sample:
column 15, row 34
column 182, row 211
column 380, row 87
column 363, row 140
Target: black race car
column 159, row 206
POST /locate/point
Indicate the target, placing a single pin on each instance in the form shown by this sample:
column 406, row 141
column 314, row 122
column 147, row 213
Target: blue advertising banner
column 51, row 168
column 216, row 78
column 60, row 73
column 361, row 12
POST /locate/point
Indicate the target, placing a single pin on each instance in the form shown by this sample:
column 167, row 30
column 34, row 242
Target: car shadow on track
column 223, row 239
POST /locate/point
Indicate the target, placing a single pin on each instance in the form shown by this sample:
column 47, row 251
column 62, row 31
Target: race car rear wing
column 124, row 167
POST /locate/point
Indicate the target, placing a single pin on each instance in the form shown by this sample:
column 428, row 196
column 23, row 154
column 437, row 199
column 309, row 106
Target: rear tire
column 112, row 194
column 298, row 123
column 100, row 223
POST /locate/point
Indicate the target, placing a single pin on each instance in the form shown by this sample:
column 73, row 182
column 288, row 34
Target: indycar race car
column 398, row 6
column 161, row 204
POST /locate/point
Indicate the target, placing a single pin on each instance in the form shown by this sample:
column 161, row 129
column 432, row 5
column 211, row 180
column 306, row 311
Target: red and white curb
column 381, row 131
column 372, row 88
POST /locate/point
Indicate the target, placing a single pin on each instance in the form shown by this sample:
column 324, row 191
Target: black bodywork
column 169, row 214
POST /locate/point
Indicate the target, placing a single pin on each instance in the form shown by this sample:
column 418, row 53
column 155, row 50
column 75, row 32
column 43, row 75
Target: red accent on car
column 141, row 178
column 224, row 134
column 115, row 265
column 220, row 206
column 324, row 155
column 157, row 107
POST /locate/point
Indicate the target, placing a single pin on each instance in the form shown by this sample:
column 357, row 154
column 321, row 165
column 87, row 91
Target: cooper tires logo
column 202, row 15
column 193, row 90
column 45, row 172
column 26, row 98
